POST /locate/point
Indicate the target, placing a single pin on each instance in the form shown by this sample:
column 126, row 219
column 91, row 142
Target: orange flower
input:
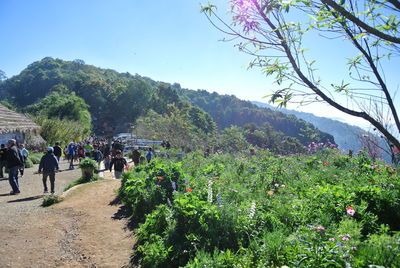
column 347, row 208
column 160, row 178
column 189, row 190
column 270, row 192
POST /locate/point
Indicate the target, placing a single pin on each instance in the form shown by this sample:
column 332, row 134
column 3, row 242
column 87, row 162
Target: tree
column 267, row 32
column 3, row 75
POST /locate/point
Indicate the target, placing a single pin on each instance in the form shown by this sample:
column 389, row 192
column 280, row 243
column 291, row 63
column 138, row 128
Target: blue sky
column 168, row 41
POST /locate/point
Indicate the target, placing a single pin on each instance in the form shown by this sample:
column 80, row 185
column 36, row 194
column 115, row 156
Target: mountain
column 116, row 100
column 347, row 137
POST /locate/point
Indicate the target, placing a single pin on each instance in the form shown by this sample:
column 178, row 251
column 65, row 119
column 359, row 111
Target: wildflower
column 345, row 238
column 331, row 239
column 271, row 192
column 346, row 256
column 348, row 236
column 372, row 181
column 160, row 178
column 353, row 248
column 189, row 190
column 215, row 178
column 310, row 226
column 340, row 244
column 350, row 211
column 389, row 247
column 283, row 186
column 321, row 228
column 326, row 163
column 276, row 185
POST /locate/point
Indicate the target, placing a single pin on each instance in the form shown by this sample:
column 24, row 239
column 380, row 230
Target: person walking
column 24, row 153
column 57, row 151
column 119, row 163
column 14, row 162
column 48, row 165
column 3, row 159
column 149, row 155
column 136, row 156
column 71, row 154
column 97, row 156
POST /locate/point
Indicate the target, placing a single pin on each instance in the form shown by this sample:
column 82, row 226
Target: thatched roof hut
column 12, row 122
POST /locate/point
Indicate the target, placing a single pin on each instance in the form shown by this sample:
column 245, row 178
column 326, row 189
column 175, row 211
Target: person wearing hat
column 14, row 162
column 49, row 166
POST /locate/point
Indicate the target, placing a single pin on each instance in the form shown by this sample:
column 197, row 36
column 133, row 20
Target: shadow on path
column 26, row 199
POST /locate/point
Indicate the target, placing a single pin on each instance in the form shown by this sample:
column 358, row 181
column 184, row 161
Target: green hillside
column 114, row 101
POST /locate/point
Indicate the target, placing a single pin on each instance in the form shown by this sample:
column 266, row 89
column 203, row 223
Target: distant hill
column 115, row 100
column 346, row 136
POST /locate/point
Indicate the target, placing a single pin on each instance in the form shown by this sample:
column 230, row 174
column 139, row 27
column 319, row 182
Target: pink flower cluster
column 244, row 12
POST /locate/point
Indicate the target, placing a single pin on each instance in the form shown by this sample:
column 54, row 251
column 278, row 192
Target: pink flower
column 276, row 185
column 350, row 211
column 321, row 228
column 345, row 238
column 331, row 239
column 283, row 186
column 326, row 163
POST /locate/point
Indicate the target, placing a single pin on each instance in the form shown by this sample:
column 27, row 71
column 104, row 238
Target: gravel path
column 81, row 231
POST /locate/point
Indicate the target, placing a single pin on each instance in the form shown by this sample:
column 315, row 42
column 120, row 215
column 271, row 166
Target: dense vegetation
column 109, row 102
column 321, row 210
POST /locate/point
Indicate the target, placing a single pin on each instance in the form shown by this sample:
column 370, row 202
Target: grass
column 50, row 200
column 82, row 180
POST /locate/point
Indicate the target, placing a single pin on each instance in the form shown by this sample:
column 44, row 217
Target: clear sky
column 166, row 40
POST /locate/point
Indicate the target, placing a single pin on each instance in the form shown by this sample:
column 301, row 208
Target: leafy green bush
column 28, row 163
column 50, row 200
column 35, row 157
column 88, row 163
column 324, row 210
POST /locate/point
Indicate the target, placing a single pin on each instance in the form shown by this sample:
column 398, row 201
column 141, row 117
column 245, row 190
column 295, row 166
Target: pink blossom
column 345, row 238
column 322, row 228
column 331, row 239
column 276, row 185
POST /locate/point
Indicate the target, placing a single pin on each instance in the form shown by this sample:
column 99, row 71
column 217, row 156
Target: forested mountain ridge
column 116, row 100
column 228, row 110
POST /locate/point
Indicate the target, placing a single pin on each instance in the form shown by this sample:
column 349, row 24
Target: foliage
column 186, row 129
column 317, row 210
column 62, row 106
column 28, row 163
column 88, row 163
column 35, row 157
column 50, row 200
column 60, row 130
column 82, row 180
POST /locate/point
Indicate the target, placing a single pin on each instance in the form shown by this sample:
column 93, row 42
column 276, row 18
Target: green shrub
column 88, row 163
column 35, row 157
column 264, row 211
column 50, row 200
column 28, row 163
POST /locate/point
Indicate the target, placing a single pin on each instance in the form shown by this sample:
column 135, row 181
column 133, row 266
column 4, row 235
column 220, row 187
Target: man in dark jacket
column 136, row 156
column 97, row 156
column 3, row 159
column 14, row 162
column 57, row 151
column 49, row 166
column 119, row 163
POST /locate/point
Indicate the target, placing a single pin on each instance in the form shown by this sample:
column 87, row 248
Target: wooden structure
column 14, row 125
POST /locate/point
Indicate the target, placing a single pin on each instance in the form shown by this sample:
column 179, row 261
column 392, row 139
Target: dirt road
column 82, row 231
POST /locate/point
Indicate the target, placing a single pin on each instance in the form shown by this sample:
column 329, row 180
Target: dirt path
column 81, row 231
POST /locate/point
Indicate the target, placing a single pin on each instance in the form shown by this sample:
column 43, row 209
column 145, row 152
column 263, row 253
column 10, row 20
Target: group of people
column 13, row 158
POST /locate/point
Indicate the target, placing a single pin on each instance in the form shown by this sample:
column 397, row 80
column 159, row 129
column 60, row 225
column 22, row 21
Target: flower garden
column 320, row 210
